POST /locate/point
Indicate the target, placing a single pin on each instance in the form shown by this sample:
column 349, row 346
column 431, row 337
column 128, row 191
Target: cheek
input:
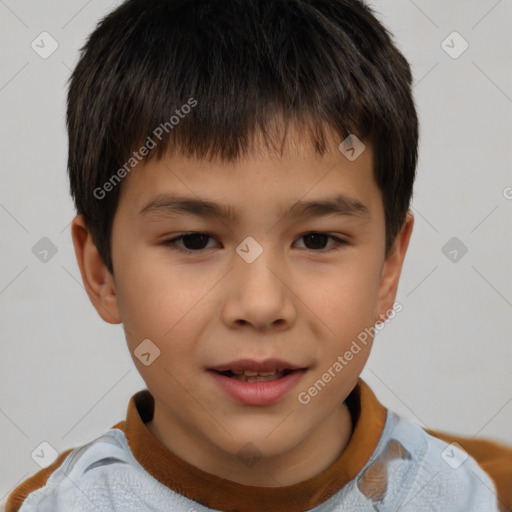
column 163, row 303
column 344, row 298
column 147, row 295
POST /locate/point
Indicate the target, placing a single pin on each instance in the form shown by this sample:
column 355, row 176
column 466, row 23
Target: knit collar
column 368, row 420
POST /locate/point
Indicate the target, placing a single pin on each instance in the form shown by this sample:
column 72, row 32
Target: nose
column 259, row 293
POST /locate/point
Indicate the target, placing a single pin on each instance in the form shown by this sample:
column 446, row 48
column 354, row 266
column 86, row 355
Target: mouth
column 250, row 376
column 257, row 383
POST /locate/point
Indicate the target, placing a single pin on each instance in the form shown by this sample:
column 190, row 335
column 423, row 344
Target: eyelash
column 172, row 243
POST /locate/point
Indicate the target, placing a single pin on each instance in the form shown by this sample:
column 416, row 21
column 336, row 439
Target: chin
column 260, row 440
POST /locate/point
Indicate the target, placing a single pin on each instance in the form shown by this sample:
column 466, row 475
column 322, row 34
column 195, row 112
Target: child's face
column 303, row 300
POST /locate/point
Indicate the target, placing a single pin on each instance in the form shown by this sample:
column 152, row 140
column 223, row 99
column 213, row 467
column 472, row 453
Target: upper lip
column 268, row 365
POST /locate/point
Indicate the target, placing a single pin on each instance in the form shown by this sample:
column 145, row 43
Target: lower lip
column 258, row 393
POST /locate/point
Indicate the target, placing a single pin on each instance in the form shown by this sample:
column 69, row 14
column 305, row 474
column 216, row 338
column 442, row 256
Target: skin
column 297, row 301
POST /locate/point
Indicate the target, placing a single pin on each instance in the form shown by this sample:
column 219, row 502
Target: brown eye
column 190, row 242
column 195, row 241
column 316, row 241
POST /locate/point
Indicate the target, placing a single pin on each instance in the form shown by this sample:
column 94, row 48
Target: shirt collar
column 368, row 420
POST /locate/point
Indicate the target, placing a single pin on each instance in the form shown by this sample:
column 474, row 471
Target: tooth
column 260, row 378
column 237, row 372
column 267, row 374
column 255, row 378
column 248, row 373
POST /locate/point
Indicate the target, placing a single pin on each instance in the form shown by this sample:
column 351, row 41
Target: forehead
column 292, row 170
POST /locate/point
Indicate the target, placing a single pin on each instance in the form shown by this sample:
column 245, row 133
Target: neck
column 309, row 458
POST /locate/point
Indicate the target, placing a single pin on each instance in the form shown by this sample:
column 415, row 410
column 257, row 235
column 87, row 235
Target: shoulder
column 415, row 471
column 36, row 481
column 101, row 475
column 493, row 457
column 53, row 486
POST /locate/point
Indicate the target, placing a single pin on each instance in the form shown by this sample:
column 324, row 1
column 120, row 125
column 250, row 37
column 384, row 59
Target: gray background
column 444, row 361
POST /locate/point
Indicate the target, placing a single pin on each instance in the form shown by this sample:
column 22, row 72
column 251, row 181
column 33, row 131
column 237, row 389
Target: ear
column 392, row 269
column 98, row 281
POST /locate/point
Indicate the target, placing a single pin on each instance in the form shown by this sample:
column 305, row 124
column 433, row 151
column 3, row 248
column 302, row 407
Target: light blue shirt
column 409, row 471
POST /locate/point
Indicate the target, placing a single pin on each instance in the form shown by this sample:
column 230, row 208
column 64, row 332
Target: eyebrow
column 169, row 205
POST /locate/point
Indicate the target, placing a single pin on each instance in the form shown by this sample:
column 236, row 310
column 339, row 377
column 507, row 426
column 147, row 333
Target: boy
column 258, row 128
